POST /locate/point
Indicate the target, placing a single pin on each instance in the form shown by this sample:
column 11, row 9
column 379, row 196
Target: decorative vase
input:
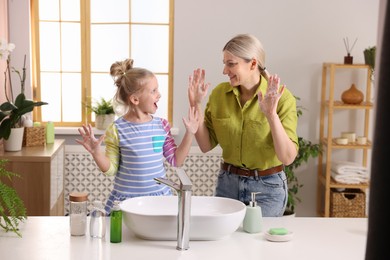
column 352, row 96
column 15, row 140
column 103, row 121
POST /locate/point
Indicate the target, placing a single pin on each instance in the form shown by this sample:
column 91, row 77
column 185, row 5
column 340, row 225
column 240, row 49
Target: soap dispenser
column 253, row 217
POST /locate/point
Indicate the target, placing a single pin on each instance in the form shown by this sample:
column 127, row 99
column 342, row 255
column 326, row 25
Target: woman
column 254, row 120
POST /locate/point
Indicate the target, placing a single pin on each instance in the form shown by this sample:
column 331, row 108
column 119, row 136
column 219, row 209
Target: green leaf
column 102, row 107
column 11, row 114
column 12, row 209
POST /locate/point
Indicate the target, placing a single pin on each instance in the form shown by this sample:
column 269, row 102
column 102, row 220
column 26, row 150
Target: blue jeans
column 273, row 188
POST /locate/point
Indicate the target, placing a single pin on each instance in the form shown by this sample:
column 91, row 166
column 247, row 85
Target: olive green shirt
column 243, row 132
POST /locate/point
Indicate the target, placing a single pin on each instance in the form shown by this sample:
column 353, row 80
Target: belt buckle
column 246, row 170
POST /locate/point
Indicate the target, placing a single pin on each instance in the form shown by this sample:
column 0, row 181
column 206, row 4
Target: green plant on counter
column 12, row 209
column 306, row 151
column 11, row 113
column 102, row 107
column 13, row 110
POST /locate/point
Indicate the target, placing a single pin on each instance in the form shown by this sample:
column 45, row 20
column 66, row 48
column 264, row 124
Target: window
column 76, row 41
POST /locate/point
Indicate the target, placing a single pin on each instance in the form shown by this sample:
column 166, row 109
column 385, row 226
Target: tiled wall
column 82, row 174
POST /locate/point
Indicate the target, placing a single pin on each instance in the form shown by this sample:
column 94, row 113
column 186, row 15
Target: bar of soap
column 278, row 235
column 278, row 231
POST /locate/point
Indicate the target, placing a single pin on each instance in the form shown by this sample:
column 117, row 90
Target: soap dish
column 278, row 238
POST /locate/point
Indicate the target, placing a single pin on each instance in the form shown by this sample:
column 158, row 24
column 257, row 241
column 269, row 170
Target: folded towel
column 345, row 167
column 351, row 178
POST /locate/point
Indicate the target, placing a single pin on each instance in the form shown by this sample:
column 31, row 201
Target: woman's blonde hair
column 247, row 47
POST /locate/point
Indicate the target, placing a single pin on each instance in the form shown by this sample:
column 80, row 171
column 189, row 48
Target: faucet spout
column 184, row 192
column 168, row 183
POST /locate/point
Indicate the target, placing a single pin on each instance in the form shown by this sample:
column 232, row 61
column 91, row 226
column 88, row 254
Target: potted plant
column 12, row 111
column 12, row 209
column 104, row 113
column 369, row 58
column 306, row 151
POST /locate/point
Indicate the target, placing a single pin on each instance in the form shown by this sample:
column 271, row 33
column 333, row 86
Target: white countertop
column 314, row 238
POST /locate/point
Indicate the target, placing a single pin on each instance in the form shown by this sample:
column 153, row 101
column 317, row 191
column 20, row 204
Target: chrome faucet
column 184, row 207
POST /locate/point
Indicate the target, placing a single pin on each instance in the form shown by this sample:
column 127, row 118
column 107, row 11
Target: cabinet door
column 33, row 186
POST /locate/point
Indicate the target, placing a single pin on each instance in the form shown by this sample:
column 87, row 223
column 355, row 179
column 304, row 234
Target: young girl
column 137, row 142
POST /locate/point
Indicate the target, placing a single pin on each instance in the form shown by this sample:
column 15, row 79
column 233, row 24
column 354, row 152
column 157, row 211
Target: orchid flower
column 5, row 49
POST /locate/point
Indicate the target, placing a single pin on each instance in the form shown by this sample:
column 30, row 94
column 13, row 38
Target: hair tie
column 262, row 68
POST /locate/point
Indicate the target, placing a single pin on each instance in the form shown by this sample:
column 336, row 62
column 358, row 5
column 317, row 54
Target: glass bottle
column 116, row 223
column 78, row 213
column 97, row 224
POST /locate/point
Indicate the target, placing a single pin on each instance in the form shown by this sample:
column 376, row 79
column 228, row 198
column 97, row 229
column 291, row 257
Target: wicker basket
column 34, row 136
column 348, row 203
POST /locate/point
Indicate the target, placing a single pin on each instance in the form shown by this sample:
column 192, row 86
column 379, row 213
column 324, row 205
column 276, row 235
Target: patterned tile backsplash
column 82, row 174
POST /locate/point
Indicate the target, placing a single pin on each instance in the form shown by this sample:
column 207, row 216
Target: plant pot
column 289, row 214
column 15, row 140
column 103, row 121
column 369, row 57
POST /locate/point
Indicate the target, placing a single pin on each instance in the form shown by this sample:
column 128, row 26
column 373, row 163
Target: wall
column 298, row 37
column 19, row 34
column 3, row 36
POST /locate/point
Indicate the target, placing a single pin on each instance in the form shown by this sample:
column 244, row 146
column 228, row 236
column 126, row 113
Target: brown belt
column 246, row 172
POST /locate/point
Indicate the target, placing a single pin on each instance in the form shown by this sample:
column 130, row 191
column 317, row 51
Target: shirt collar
column 262, row 87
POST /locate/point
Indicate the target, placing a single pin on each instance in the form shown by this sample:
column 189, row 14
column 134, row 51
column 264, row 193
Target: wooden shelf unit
column 329, row 104
column 41, row 182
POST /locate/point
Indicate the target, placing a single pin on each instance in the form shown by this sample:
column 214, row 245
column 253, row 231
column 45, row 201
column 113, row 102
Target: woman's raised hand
column 269, row 102
column 197, row 88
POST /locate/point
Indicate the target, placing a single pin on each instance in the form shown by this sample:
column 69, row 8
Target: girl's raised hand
column 90, row 143
column 192, row 123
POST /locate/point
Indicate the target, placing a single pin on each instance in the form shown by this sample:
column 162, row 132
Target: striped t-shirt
column 137, row 152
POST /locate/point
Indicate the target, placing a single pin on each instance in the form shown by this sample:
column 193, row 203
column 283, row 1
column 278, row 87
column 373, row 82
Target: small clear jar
column 78, row 213
column 97, row 228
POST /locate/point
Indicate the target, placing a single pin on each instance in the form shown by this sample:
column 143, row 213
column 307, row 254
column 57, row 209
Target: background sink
column 155, row 217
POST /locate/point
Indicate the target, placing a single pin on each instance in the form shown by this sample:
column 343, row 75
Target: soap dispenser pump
column 253, row 217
